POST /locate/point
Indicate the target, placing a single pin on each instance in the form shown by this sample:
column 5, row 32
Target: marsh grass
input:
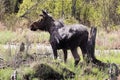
column 5, row 74
column 109, row 40
column 87, row 72
column 110, row 57
column 104, row 40
column 6, row 36
column 83, row 71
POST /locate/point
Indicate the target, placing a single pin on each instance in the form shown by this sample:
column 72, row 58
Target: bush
column 5, row 74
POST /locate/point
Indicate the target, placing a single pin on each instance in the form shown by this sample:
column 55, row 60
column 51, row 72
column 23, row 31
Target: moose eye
column 41, row 19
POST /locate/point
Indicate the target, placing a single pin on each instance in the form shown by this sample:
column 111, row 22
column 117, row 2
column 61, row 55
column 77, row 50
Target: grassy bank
column 18, row 36
column 83, row 72
column 104, row 40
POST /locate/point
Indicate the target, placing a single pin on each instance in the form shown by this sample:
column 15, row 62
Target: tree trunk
column 91, row 42
column 73, row 7
column 62, row 9
column 91, row 49
column 17, row 5
column 7, row 6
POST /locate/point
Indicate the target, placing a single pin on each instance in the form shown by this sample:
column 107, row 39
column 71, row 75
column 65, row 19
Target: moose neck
column 51, row 27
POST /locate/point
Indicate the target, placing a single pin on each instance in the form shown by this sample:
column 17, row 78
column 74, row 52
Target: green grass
column 93, row 73
column 110, row 57
column 42, row 37
column 85, row 72
column 103, row 39
column 6, row 36
column 5, row 74
column 88, row 72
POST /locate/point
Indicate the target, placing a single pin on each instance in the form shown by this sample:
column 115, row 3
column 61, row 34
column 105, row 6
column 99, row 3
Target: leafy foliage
column 101, row 13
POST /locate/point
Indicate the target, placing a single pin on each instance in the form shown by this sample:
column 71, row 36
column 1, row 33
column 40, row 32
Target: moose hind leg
column 65, row 55
column 75, row 55
column 85, row 54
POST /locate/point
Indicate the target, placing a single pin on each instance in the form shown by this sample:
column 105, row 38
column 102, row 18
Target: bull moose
column 63, row 36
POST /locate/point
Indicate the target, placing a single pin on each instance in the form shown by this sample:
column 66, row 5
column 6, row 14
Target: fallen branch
column 14, row 75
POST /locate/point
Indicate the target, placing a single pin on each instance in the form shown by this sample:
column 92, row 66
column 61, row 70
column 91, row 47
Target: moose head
column 44, row 23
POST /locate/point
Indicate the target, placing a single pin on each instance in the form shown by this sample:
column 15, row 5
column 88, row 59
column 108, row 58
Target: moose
column 63, row 36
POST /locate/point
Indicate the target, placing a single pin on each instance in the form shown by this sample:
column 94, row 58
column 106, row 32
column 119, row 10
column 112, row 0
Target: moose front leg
column 54, row 48
column 65, row 55
column 75, row 55
column 55, row 53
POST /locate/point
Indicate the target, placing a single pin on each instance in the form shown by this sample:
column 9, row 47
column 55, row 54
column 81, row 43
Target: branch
column 32, row 8
column 14, row 75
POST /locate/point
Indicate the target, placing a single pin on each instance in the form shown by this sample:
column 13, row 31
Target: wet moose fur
column 63, row 36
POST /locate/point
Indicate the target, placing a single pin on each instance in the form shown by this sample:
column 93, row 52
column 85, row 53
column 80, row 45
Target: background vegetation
column 17, row 15
column 100, row 13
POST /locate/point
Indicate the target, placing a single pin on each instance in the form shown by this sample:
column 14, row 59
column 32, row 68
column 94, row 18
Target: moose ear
column 44, row 12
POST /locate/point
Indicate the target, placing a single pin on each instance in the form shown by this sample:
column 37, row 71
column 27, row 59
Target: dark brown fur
column 63, row 36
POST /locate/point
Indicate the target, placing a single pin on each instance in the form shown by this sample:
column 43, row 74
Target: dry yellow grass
column 109, row 40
